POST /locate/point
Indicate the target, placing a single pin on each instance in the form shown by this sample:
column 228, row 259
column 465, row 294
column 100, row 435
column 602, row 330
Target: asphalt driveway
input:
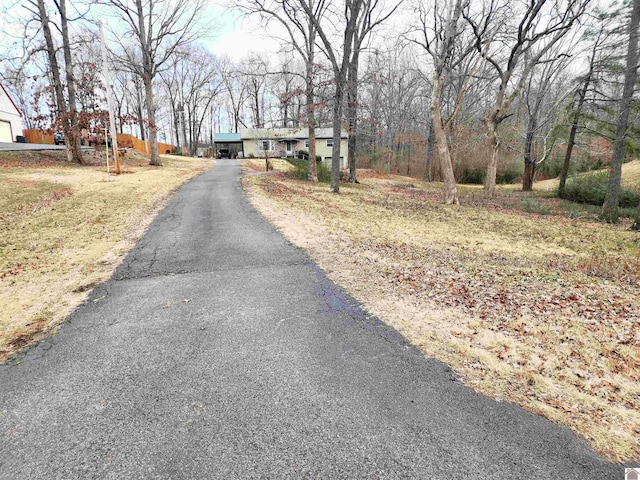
column 22, row 147
column 219, row 350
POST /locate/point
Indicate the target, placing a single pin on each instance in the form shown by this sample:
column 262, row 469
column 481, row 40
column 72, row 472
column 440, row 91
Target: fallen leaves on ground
column 539, row 310
column 64, row 228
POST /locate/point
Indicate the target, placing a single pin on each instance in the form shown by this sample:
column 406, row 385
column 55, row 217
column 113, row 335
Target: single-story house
column 228, row 141
column 10, row 118
column 281, row 142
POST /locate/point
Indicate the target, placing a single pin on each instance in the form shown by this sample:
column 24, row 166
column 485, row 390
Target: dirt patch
column 65, row 228
column 535, row 309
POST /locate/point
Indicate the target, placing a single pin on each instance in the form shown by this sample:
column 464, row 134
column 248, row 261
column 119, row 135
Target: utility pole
column 112, row 119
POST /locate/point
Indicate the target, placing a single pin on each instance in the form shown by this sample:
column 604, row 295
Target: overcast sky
column 237, row 35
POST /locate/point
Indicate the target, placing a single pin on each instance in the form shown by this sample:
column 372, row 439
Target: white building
column 10, row 118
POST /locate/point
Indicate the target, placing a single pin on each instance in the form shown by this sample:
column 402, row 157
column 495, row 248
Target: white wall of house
column 323, row 149
column 10, row 119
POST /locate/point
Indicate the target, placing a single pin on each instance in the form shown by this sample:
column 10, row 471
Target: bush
column 511, row 172
column 636, row 220
column 304, row 155
column 592, row 188
column 477, row 175
column 552, row 167
column 531, row 205
column 473, row 175
column 301, row 171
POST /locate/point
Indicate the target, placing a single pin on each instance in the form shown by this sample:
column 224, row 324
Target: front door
column 289, row 146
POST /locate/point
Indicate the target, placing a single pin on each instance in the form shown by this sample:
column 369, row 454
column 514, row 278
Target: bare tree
column 302, row 34
column 610, row 208
column 439, row 33
column 372, row 16
column 542, row 97
column 339, row 60
column 525, row 32
column 236, row 91
column 72, row 140
column 66, row 112
column 160, row 28
column 254, row 75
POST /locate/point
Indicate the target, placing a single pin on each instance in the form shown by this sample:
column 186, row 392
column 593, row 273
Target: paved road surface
column 220, row 351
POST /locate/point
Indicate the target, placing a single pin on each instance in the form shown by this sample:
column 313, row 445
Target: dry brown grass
column 64, row 228
column 259, row 164
column 539, row 310
column 630, row 178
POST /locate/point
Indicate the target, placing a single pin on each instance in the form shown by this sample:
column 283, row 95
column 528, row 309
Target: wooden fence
column 129, row 141
column 124, row 141
column 36, row 136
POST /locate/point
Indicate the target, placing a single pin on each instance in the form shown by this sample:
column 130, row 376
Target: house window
column 330, row 142
column 306, row 144
column 265, row 145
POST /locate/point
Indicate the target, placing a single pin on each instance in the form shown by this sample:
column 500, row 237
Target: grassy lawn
column 630, row 178
column 539, row 310
column 64, row 228
column 259, row 164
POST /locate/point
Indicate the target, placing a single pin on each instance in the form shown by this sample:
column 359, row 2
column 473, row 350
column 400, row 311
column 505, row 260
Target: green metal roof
column 226, row 137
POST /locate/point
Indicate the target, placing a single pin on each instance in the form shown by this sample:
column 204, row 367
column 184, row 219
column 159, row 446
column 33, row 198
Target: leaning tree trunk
column 564, row 173
column 73, row 140
column 529, row 159
column 610, row 208
column 153, row 129
column 449, row 181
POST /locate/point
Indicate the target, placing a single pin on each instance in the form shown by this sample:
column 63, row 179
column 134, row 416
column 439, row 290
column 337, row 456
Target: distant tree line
column 456, row 90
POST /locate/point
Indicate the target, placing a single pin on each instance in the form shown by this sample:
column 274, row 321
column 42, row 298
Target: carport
column 230, row 141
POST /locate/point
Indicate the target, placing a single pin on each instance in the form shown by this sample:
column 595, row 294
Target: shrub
column 473, row 175
column 592, row 188
column 636, row 220
column 531, row 205
column 510, row 172
column 304, row 155
column 552, row 167
column 301, row 171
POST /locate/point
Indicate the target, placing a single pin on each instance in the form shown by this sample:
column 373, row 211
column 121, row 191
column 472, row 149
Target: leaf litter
column 542, row 311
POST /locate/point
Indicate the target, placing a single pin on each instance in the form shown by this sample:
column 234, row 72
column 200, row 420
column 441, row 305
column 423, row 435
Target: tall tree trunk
column 311, row 117
column 337, row 134
column 564, row 173
column 429, row 152
column 352, row 113
column 139, row 111
column 73, row 139
column 55, row 73
column 529, row 158
column 176, row 124
column 492, row 167
column 610, row 208
column 450, row 191
column 151, row 113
